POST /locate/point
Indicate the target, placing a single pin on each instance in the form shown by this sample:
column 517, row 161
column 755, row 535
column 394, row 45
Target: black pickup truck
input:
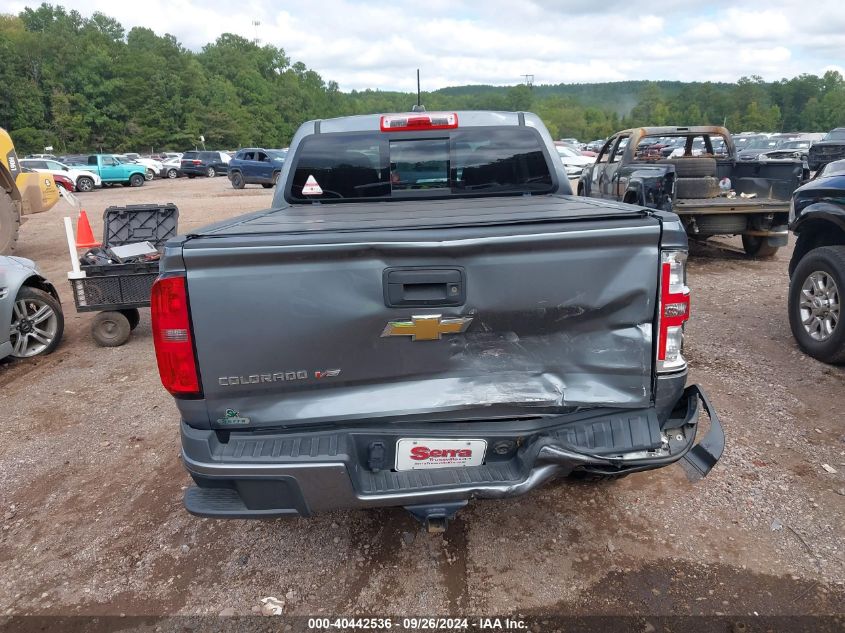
column 817, row 267
column 425, row 315
column 688, row 183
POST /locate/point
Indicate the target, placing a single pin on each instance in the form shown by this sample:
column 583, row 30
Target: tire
column 721, row 224
column 136, row 180
column 702, row 187
column 10, row 222
column 827, row 262
column 84, row 183
column 693, row 167
column 192, row 176
column 758, row 247
column 237, row 179
column 172, row 173
column 37, row 323
column 276, row 175
column 133, row 316
column 210, row 172
column 110, row 329
column 267, row 185
column 149, row 174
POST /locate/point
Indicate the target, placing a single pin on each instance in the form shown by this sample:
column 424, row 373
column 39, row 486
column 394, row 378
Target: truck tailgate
column 290, row 325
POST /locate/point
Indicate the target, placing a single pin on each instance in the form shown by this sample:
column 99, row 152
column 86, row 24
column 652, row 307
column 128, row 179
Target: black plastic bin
column 116, row 291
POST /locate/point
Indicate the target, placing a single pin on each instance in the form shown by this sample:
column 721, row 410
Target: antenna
column 529, row 80
column 256, row 24
column 419, row 107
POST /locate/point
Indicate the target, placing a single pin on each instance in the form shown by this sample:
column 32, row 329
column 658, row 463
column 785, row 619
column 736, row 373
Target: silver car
column 31, row 319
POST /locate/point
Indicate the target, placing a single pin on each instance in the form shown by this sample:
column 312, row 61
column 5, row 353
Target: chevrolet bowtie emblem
column 427, row 328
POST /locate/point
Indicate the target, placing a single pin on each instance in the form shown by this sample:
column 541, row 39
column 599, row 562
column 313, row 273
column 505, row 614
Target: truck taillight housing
column 421, row 121
column 172, row 338
column 674, row 311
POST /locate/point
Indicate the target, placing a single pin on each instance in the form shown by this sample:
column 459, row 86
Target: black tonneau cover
column 425, row 214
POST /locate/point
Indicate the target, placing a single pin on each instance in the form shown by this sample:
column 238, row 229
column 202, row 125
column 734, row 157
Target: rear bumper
column 284, row 474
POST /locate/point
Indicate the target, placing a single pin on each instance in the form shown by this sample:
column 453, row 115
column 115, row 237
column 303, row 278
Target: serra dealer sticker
column 420, row 453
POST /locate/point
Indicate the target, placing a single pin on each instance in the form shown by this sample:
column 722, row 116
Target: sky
column 379, row 45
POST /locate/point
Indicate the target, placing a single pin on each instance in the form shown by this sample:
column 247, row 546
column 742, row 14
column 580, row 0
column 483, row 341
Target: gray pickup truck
column 426, row 315
column 680, row 169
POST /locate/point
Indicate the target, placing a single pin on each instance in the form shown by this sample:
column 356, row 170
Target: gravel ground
column 92, row 522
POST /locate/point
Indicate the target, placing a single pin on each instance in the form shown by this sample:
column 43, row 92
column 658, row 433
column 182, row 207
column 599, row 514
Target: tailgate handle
column 424, row 287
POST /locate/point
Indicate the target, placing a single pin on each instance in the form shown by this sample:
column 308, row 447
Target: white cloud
column 361, row 44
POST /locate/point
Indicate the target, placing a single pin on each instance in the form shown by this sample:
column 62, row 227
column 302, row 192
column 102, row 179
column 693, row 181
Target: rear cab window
column 374, row 165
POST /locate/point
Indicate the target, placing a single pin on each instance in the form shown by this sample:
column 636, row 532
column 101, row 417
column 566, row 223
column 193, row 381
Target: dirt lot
column 92, row 521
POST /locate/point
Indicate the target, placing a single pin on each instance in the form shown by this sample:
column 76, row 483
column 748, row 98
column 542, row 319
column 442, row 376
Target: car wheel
column 758, row 247
column 136, row 180
column 149, row 175
column 816, row 289
column 84, row 183
column 110, row 329
column 210, row 172
column 237, row 180
column 133, row 316
column 267, row 185
column 37, row 323
column 172, row 173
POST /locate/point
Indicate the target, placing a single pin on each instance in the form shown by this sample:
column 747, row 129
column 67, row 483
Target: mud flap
column 701, row 458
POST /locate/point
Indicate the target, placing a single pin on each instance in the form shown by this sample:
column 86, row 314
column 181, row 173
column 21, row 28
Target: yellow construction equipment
column 21, row 194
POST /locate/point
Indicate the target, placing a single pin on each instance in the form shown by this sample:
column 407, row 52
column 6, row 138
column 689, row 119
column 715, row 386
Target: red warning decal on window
column 311, row 187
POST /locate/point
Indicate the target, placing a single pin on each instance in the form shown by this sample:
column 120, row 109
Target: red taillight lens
column 197, row 162
column 172, row 337
column 674, row 311
column 428, row 121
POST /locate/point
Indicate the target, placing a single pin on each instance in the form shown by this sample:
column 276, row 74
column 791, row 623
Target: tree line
column 84, row 83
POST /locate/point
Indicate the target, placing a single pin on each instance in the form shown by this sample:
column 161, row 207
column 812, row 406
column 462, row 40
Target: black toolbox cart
column 116, row 291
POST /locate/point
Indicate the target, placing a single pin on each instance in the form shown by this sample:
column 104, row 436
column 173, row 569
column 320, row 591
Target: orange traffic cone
column 84, row 234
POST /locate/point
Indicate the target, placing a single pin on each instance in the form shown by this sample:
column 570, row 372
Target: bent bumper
column 267, row 475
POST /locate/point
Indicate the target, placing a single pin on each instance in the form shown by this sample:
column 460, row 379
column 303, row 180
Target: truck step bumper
column 226, row 503
column 262, row 479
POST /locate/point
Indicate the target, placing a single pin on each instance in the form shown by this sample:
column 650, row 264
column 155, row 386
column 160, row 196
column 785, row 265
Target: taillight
column 425, row 121
column 674, row 311
column 172, row 337
column 197, row 162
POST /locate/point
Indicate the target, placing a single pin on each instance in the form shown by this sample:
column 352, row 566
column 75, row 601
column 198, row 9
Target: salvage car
column 829, row 149
column 31, row 319
column 573, row 160
column 203, row 163
column 83, row 179
column 388, row 333
column 256, row 166
column 697, row 186
column 790, row 149
column 111, row 169
column 817, row 267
